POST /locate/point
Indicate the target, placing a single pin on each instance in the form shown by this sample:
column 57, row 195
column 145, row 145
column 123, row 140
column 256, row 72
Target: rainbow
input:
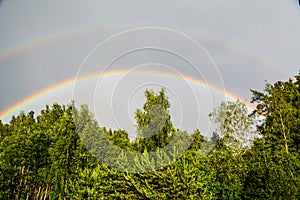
column 44, row 39
column 71, row 81
column 47, row 38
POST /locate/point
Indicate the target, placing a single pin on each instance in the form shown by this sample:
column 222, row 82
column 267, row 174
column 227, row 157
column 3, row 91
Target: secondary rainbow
column 56, row 36
column 60, row 85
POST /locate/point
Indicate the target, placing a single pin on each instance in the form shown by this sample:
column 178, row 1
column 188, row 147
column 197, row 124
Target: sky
column 226, row 47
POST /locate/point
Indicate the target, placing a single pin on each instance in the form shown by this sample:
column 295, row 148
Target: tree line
column 63, row 153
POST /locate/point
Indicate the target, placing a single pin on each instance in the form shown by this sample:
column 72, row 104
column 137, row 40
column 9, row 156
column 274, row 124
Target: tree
column 235, row 128
column 154, row 126
column 274, row 158
column 234, row 124
column 198, row 140
column 280, row 103
column 271, row 174
column 54, row 155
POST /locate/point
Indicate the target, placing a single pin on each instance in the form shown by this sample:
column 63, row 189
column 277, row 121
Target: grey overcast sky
column 43, row 43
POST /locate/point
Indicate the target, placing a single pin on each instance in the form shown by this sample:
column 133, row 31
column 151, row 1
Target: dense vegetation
column 63, row 153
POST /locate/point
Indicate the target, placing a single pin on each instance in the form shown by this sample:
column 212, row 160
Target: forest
column 64, row 153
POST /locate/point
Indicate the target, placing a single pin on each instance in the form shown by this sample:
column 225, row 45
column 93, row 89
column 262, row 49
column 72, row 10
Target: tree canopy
column 63, row 153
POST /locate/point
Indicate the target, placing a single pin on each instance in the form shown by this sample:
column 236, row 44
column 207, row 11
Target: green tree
column 271, row 174
column 274, row 159
column 22, row 159
column 154, row 126
column 280, row 103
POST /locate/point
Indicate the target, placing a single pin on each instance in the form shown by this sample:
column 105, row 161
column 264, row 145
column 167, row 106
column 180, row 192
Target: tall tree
column 280, row 103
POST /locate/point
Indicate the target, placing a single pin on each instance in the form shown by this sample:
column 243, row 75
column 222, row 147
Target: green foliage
column 280, row 103
column 272, row 173
column 154, row 126
column 63, row 153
